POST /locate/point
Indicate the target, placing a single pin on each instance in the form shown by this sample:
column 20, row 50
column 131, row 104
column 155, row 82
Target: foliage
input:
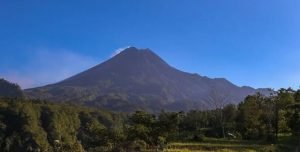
column 30, row 125
column 35, row 125
column 11, row 90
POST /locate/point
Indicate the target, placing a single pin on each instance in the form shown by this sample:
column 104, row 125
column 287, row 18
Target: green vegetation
column 8, row 89
column 27, row 125
column 257, row 124
column 285, row 144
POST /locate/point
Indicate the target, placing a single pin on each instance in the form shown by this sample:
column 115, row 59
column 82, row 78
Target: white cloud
column 46, row 66
column 118, row 51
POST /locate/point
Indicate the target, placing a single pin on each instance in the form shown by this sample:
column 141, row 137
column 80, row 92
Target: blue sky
column 249, row 42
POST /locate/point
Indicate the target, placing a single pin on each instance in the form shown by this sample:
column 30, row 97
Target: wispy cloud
column 47, row 66
column 119, row 50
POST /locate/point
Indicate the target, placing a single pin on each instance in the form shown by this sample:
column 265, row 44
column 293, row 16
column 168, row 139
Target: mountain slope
column 138, row 78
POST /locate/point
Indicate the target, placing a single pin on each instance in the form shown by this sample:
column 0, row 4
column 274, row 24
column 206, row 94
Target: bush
column 199, row 137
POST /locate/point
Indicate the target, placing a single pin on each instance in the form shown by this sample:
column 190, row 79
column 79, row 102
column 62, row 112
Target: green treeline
column 38, row 126
column 8, row 89
column 27, row 125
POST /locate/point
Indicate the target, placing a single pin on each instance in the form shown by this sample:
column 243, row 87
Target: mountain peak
column 135, row 50
column 139, row 78
column 130, row 49
column 138, row 56
column 131, row 62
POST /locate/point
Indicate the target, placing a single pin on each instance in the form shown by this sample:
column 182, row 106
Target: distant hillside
column 8, row 89
column 139, row 79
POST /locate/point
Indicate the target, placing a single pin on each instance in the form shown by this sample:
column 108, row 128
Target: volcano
column 139, row 79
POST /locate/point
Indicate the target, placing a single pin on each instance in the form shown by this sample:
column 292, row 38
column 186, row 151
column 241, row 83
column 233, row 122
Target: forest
column 41, row 126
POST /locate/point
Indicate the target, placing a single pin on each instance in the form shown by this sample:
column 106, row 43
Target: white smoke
column 118, row 51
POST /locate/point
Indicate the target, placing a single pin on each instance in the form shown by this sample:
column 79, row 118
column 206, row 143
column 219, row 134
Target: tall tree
column 8, row 89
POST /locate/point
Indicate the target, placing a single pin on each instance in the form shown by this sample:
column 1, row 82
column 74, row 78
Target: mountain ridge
column 140, row 79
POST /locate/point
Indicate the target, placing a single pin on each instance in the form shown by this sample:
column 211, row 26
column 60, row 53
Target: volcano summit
column 140, row 79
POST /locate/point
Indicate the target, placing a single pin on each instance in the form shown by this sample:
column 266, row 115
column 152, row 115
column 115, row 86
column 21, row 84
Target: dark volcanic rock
column 139, row 79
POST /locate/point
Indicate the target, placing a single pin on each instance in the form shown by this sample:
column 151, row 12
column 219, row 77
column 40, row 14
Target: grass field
column 285, row 143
